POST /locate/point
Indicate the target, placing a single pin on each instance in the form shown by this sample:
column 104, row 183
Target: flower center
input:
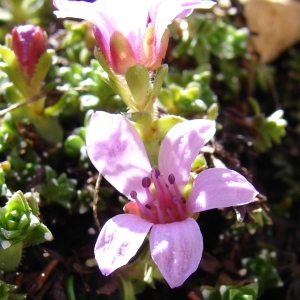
column 165, row 203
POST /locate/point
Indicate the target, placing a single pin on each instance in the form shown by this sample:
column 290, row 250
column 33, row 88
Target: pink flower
column 159, row 203
column 29, row 42
column 133, row 31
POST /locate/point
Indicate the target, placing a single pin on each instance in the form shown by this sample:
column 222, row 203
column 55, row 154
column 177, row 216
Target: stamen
column 162, row 191
column 171, row 178
column 156, row 172
column 141, row 207
column 146, row 182
column 160, row 216
column 133, row 194
column 173, row 187
column 163, row 201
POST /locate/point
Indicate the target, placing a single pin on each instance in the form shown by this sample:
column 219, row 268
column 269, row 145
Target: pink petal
column 119, row 240
column 177, row 249
column 107, row 19
column 131, row 16
column 117, row 151
column 163, row 12
column 215, row 188
column 180, row 147
column 92, row 12
column 75, row 9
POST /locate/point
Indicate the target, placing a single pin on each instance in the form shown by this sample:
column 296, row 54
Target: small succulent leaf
column 18, row 222
column 14, row 71
column 38, row 235
column 32, row 202
column 23, row 222
column 10, row 257
column 42, row 124
column 11, row 225
column 17, row 202
column 9, row 234
column 8, row 56
column 34, row 221
column 73, row 145
column 43, row 65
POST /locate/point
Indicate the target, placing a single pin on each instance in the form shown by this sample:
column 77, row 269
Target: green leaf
column 38, row 235
column 67, row 104
column 43, row 65
column 14, row 71
column 8, row 56
column 10, row 257
column 7, row 292
column 73, row 145
column 57, row 189
column 230, row 292
column 48, row 127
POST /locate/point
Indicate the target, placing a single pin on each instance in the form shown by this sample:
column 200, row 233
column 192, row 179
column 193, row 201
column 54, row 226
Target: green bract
column 137, row 90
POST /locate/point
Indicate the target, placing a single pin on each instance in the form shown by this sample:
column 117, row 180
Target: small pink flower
column 29, row 42
column 133, row 31
column 158, row 203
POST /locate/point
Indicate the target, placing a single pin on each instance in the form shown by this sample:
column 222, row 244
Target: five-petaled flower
column 159, row 203
column 133, row 31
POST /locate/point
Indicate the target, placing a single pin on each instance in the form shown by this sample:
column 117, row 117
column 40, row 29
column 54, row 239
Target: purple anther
column 156, row 173
column 171, row 178
column 146, row 182
column 133, row 194
column 147, row 206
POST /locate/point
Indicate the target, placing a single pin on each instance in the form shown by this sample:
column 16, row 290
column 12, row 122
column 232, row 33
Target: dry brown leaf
column 274, row 26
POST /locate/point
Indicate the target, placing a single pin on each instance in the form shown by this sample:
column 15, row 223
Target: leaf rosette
column 19, row 224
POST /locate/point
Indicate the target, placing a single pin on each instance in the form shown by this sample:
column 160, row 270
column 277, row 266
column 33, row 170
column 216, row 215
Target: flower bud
column 29, row 42
column 122, row 53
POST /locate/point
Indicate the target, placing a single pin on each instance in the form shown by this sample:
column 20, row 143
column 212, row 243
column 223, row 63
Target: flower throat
column 165, row 203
